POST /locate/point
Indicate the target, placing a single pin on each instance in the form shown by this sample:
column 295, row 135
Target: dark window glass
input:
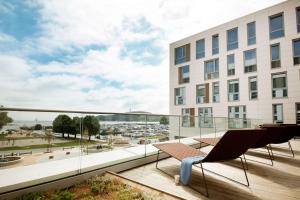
column 251, row 33
column 250, row 61
column 298, row 19
column 232, row 39
column 275, row 55
column 200, row 49
column 230, row 65
column 276, row 26
column 296, row 49
column 215, row 44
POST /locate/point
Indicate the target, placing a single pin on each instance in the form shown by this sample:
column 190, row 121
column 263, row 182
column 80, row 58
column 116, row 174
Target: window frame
column 233, row 93
column 213, row 92
column 203, row 52
column 273, row 114
column 215, row 50
column 283, row 25
column 237, row 39
column 215, row 73
column 250, row 90
column 293, row 46
column 181, row 79
column 233, row 64
column 271, row 55
column 286, row 83
column 298, row 19
column 244, row 52
column 183, row 95
column 253, row 37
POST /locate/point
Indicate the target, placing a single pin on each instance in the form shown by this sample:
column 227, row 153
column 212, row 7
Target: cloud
column 100, row 55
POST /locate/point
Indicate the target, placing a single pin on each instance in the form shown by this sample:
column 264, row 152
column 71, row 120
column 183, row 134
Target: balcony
column 123, row 142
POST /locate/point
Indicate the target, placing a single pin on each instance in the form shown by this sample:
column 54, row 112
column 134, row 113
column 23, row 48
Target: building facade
column 246, row 68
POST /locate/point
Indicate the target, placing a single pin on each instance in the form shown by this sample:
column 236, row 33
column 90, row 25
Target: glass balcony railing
column 58, row 143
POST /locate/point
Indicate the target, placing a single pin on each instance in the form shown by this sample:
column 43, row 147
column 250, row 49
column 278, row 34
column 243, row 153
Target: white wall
column 256, row 109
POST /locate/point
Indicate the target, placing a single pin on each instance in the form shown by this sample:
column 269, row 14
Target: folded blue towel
column 186, row 168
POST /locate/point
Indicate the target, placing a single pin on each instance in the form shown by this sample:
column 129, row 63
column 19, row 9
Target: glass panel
column 180, row 96
column 251, row 33
column 278, row 113
column 211, row 69
column 298, row 19
column 232, row 39
column 275, row 52
column 276, row 26
column 200, row 49
column 215, row 44
column 296, row 44
column 180, row 54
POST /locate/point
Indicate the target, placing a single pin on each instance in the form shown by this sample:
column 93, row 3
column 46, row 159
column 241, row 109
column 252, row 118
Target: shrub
column 32, row 196
column 63, row 195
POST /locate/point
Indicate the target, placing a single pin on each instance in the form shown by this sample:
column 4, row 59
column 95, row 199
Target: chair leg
column 204, row 180
column 271, row 151
column 157, row 159
column 290, row 146
column 245, row 161
column 270, row 155
column 245, row 172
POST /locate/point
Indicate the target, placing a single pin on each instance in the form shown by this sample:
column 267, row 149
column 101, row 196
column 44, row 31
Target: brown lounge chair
column 226, row 149
column 280, row 134
column 264, row 141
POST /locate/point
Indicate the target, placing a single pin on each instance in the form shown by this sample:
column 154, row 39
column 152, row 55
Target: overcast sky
column 100, row 55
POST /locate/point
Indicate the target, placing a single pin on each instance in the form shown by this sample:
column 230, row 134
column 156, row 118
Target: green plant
column 89, row 198
column 32, row 196
column 129, row 193
column 63, row 195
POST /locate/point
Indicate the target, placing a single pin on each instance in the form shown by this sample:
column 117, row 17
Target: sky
column 97, row 55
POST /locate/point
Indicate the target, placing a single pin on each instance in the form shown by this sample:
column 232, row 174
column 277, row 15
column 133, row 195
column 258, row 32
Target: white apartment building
column 246, row 68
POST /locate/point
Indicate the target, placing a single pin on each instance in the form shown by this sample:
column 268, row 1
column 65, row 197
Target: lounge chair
column 226, row 149
column 264, row 141
column 280, row 134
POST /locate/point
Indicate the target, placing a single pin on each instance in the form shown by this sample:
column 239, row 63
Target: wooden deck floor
column 281, row 181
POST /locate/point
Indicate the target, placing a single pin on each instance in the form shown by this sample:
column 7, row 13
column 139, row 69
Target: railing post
column 179, row 124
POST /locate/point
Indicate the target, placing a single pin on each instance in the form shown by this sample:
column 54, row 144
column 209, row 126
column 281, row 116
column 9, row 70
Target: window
column 180, row 96
column 233, row 90
column 205, row 117
column 182, row 54
column 188, row 117
column 279, row 86
column 296, row 51
column 275, row 56
column 250, row 61
column 230, row 65
column 253, row 88
column 276, row 26
column 211, row 69
column 200, row 49
column 277, row 113
column 202, row 93
column 251, row 33
column 297, row 113
column 237, row 117
column 298, row 19
column 184, row 74
column 215, row 44
column 232, row 39
column 216, row 92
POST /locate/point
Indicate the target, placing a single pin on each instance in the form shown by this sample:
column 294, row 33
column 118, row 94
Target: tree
column 4, row 119
column 91, row 125
column 38, row 127
column 75, row 127
column 62, row 124
column 164, row 120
